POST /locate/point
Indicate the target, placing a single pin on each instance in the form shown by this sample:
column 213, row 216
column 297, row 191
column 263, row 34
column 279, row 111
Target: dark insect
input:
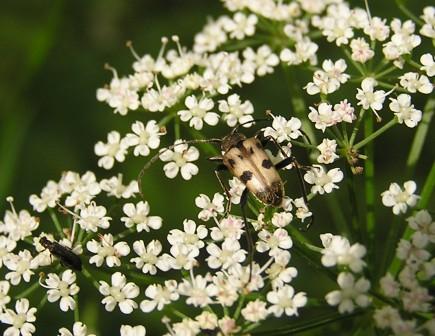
column 66, row 256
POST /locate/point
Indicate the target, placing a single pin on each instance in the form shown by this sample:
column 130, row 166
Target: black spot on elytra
column 232, row 162
column 267, row 163
column 240, row 156
column 251, row 150
column 246, row 176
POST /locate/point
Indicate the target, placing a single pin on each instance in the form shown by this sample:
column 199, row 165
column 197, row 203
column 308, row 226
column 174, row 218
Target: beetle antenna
column 162, row 150
column 236, row 128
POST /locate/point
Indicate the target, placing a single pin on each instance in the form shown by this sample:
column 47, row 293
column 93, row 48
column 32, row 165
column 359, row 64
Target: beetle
column 246, row 159
column 66, row 255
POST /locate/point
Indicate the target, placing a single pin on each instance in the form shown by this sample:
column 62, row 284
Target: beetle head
column 231, row 140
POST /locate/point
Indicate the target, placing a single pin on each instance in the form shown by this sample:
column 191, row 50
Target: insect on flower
column 246, row 159
column 66, row 256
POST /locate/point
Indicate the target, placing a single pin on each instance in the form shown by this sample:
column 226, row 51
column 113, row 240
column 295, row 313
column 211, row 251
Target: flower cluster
column 228, row 272
column 337, row 251
column 407, row 284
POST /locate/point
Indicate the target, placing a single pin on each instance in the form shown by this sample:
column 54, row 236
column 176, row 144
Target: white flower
column 234, row 111
column 282, row 219
column 160, row 296
column 283, row 129
column 137, row 215
column 389, row 286
column 323, row 182
column 148, row 256
column 263, row 60
column 428, row 64
column 405, row 111
column 21, row 320
column 6, row 246
column 120, row 95
column 337, row 250
column 361, row 51
column 79, row 329
column 377, row 29
column 329, row 79
column 428, row 28
column 400, row 199
column 324, row 116
column 18, row 226
column 230, row 254
column 82, row 189
column 20, row 265
column 384, row 317
column 207, row 320
column 127, row 330
column 120, row 293
column 327, row 151
column 182, row 257
column 422, row 223
column 113, row 150
column 198, row 291
column 144, row 137
column 4, row 297
column 368, row 98
column 210, row 208
column 198, row 112
column 413, row 82
column 228, row 228
column 274, row 243
column 236, row 189
column 344, row 112
column 212, row 36
column 180, row 159
column 50, row 194
column 279, row 273
column 305, row 50
column 105, row 250
column 255, row 311
column 350, row 293
column 284, row 300
column 63, row 288
column 192, row 237
column 241, row 25
column 92, row 217
column 187, row 327
column 114, row 187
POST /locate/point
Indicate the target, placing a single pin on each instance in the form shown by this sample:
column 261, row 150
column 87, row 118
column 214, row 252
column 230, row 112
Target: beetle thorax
column 231, row 140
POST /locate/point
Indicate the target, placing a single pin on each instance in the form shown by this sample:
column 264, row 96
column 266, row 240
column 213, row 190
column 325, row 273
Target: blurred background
column 52, row 57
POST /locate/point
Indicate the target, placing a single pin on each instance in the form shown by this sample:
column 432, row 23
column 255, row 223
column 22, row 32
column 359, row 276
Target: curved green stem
column 377, row 133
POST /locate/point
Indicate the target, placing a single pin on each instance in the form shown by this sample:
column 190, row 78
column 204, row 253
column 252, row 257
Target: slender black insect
column 66, row 256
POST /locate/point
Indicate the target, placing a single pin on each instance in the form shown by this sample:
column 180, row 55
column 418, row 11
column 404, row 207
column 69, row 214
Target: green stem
column 56, row 222
column 76, row 309
column 28, row 291
column 304, row 145
column 377, row 133
column 369, row 187
column 390, row 86
column 385, row 72
column 91, row 278
column 356, row 127
column 42, row 302
column 177, row 132
column 408, row 13
column 166, row 119
column 307, row 325
column 420, row 137
column 298, row 103
column 124, row 234
column 239, row 307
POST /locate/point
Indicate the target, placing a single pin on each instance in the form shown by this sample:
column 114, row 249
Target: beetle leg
column 250, row 241
column 217, row 171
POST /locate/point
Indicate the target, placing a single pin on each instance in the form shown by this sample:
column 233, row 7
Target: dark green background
column 52, row 57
